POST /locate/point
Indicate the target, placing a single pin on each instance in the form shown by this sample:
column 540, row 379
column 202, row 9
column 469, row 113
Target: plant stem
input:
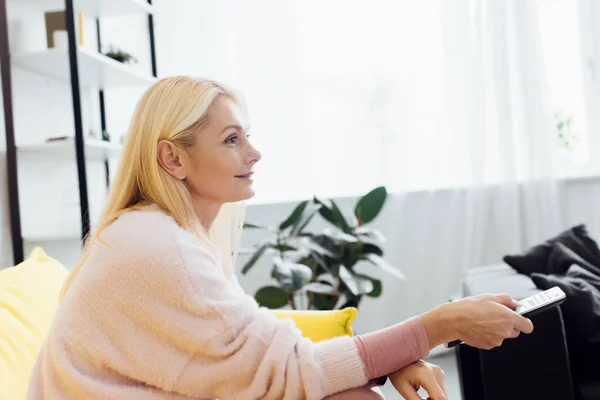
column 334, row 300
column 292, row 301
column 279, row 244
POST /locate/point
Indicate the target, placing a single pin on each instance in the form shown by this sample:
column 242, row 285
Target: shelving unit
column 63, row 236
column 96, row 8
column 96, row 70
column 80, row 68
column 95, row 150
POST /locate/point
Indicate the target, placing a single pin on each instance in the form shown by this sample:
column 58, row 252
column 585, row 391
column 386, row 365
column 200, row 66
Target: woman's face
column 221, row 163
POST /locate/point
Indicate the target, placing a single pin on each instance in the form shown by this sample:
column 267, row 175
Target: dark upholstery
column 532, row 366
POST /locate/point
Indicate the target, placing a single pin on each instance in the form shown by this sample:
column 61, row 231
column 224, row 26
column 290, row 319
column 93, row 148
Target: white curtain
column 444, row 102
column 498, row 96
column 425, row 95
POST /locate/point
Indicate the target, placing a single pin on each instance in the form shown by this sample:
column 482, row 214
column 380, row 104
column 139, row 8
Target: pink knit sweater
column 154, row 316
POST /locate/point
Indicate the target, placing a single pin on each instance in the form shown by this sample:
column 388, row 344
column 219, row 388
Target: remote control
column 534, row 304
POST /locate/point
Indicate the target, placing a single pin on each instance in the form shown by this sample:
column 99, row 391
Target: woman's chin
column 245, row 194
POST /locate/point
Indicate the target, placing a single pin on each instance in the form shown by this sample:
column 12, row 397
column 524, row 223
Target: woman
column 154, row 311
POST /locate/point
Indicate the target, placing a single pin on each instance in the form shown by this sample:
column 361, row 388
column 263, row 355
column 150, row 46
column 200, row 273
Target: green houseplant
column 316, row 270
column 120, row 56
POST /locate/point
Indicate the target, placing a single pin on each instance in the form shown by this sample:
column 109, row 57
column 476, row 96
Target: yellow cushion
column 28, row 301
column 321, row 325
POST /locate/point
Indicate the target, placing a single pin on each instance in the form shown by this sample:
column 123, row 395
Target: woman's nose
column 254, row 155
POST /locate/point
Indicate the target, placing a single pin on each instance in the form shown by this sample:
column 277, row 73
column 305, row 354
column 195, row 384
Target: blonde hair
column 174, row 109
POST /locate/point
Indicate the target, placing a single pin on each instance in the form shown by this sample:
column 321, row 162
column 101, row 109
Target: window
column 561, row 41
column 415, row 95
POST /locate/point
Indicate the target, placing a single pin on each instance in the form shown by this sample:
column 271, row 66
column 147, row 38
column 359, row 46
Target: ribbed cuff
column 390, row 349
column 421, row 337
column 341, row 363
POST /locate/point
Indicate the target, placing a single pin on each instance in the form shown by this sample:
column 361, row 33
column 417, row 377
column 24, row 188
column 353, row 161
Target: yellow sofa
column 28, row 300
column 29, row 295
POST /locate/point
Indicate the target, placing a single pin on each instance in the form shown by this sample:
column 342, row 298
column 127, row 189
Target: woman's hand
column 420, row 374
column 483, row 321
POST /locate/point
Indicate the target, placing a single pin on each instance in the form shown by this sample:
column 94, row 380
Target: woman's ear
column 171, row 159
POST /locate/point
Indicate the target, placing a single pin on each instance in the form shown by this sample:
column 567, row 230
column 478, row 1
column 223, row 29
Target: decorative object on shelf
column 317, row 270
column 58, row 138
column 55, row 23
column 120, row 56
column 81, row 26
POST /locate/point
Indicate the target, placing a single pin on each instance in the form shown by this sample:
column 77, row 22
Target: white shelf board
column 94, row 8
column 59, row 237
column 95, row 69
column 97, row 150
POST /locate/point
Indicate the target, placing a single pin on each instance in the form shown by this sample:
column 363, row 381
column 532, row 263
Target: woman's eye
column 231, row 140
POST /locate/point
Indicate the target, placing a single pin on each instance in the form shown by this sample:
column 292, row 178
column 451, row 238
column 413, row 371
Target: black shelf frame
column 11, row 149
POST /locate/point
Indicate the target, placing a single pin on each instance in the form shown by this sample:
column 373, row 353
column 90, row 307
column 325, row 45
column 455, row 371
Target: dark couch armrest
column 534, row 366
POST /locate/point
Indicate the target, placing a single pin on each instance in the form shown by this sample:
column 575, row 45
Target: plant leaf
column 305, row 219
column 291, row 276
column 248, row 225
column 350, row 218
column 377, row 288
column 384, row 265
column 369, row 206
column 331, row 212
column 368, row 248
column 357, row 284
column 317, row 248
column 271, row 297
column 294, row 216
column 338, row 215
column 370, row 233
column 259, row 252
column 319, row 287
column 339, row 236
column 321, row 262
column 327, row 242
column 327, row 279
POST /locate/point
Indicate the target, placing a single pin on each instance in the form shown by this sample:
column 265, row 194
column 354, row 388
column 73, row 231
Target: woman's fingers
column 407, row 391
column 431, row 385
column 439, row 376
column 524, row 324
column 421, row 374
column 506, row 300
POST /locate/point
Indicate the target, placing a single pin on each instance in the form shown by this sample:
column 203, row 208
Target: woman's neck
column 206, row 210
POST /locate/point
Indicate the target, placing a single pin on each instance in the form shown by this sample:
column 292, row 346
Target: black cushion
column 536, row 258
column 562, row 258
column 581, row 313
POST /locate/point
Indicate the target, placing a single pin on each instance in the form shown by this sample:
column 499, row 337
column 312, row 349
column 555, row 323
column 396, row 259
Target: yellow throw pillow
column 321, row 325
column 28, row 301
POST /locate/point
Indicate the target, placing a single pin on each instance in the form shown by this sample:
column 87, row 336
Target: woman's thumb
column 506, row 300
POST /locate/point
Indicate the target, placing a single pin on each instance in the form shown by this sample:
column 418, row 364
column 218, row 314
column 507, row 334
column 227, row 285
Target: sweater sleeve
column 390, row 349
column 187, row 329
